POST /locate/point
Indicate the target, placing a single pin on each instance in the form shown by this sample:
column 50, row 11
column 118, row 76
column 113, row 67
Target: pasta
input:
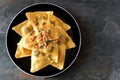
column 44, row 39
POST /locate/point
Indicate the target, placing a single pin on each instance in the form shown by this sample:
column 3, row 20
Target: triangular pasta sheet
column 37, row 18
column 22, row 52
column 27, row 41
column 52, row 51
column 23, row 28
column 38, row 61
column 40, row 17
column 27, row 28
column 61, row 57
column 66, row 39
column 59, row 22
column 18, row 27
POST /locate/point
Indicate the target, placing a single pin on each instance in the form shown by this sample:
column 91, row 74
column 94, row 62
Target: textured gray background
column 99, row 58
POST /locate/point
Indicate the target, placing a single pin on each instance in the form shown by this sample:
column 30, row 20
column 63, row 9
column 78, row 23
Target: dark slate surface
column 99, row 58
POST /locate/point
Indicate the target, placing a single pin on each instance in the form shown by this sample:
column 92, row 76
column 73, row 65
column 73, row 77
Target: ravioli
column 44, row 39
column 22, row 52
column 38, row 61
column 59, row 22
column 61, row 57
column 18, row 27
column 23, row 28
column 27, row 41
column 66, row 39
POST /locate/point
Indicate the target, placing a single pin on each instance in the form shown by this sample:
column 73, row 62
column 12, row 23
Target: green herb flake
column 49, row 57
column 50, row 49
column 36, row 20
column 67, row 39
column 59, row 42
column 43, row 17
column 41, row 46
column 48, row 31
column 28, row 29
column 42, row 53
column 48, row 41
column 52, row 22
column 36, row 53
column 43, row 23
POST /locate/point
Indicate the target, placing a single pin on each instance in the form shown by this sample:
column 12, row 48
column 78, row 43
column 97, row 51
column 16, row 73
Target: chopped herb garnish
column 60, row 37
column 39, row 30
column 48, row 41
column 43, row 17
column 28, row 29
column 42, row 53
column 49, row 57
column 50, row 49
column 36, row 20
column 58, row 42
column 52, row 22
column 41, row 46
column 36, row 23
column 67, row 39
column 43, row 23
column 37, row 53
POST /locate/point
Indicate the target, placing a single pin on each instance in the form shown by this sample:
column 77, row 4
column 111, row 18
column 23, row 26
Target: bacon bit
column 55, row 40
column 39, row 38
column 35, row 46
column 40, row 34
column 43, row 38
column 32, row 38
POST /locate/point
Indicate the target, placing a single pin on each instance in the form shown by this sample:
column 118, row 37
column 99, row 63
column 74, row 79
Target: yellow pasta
column 44, row 38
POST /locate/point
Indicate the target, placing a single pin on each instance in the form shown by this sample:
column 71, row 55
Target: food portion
column 44, row 38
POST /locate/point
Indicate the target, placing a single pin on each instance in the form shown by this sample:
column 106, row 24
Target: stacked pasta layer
column 44, row 38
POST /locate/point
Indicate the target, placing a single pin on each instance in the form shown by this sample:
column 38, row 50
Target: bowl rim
column 52, row 4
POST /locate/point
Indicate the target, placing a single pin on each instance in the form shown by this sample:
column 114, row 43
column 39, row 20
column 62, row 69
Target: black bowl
column 13, row 38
